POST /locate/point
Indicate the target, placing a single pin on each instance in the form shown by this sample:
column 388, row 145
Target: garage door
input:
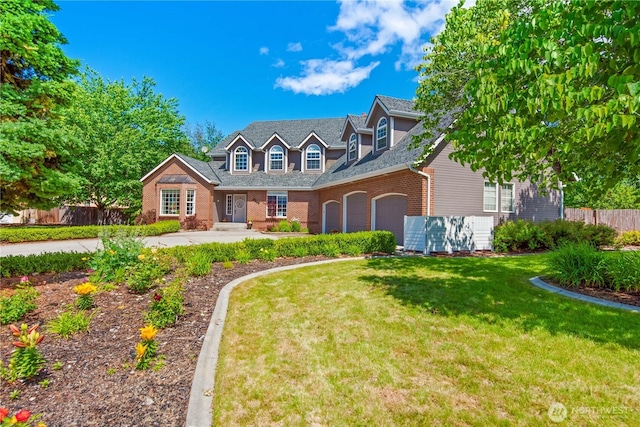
column 389, row 215
column 356, row 217
column 332, row 217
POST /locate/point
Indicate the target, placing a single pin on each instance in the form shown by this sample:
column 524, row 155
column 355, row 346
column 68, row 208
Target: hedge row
column 366, row 242
column 521, row 235
column 35, row 233
column 51, row 262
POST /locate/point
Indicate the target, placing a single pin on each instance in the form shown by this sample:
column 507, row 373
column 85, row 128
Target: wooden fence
column 620, row 219
column 75, row 215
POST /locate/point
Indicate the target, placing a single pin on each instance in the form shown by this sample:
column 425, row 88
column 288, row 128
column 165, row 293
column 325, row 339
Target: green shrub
column 200, row 262
column 40, row 233
column 622, row 270
column 119, row 252
column 14, row 307
column 243, row 256
column 145, row 274
column 284, row 226
column 51, row 262
column 628, row 238
column 295, row 226
column 167, row 305
column 521, row 235
column 576, row 264
column 70, row 322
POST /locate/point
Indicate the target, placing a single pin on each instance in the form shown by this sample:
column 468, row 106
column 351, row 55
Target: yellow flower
column 85, row 289
column 154, row 250
column 84, row 258
column 112, row 252
column 140, row 257
column 148, row 333
column 41, row 424
column 141, row 349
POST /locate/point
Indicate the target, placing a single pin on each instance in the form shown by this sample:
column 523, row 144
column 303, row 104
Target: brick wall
column 403, row 182
column 204, row 193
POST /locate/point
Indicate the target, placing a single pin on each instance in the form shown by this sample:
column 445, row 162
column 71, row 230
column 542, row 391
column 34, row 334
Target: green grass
column 423, row 341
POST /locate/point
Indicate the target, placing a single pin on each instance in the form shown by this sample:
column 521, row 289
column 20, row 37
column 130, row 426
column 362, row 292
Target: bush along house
column 334, row 175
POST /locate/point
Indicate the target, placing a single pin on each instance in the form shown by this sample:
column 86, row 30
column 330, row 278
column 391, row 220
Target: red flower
column 157, row 297
column 3, row 413
column 22, row 415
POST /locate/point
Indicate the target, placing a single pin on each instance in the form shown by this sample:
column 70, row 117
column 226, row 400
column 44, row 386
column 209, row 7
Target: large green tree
column 128, row 129
column 38, row 156
column 543, row 90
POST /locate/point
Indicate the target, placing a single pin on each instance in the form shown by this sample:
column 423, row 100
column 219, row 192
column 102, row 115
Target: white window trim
column 484, row 204
column 353, row 141
column 277, row 194
column 306, row 159
column 235, row 155
column 162, row 213
column 386, row 137
column 513, row 197
column 229, row 205
column 284, row 158
column 186, row 202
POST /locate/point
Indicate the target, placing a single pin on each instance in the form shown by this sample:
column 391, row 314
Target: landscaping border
column 200, row 409
column 536, row 281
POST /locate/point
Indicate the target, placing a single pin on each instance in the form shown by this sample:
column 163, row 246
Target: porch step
column 227, row 226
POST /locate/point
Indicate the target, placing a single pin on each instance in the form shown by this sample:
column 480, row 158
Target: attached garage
column 355, row 212
column 331, row 217
column 388, row 213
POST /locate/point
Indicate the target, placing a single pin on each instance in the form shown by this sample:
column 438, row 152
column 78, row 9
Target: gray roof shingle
column 294, row 179
column 397, row 104
column 293, row 132
column 203, row 168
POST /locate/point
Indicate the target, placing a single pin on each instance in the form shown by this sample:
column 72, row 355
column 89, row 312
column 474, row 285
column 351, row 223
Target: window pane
column 507, row 198
column 191, row 202
column 313, row 157
column 490, row 199
column 169, row 202
column 241, row 159
column 229, row 204
column 381, row 134
column 276, row 158
column 352, row 146
column 277, row 205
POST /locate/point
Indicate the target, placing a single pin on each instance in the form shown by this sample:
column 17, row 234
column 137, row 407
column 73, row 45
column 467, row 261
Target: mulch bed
column 624, row 297
column 98, row 384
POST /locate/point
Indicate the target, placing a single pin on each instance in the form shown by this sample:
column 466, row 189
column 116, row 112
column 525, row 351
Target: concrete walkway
column 181, row 238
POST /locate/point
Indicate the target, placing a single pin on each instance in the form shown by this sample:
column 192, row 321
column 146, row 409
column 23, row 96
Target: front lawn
column 423, row 341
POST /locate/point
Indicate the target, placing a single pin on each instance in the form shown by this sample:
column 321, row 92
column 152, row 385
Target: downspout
column 426, row 175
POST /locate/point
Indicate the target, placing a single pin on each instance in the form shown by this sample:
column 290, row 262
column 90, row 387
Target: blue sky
column 235, row 62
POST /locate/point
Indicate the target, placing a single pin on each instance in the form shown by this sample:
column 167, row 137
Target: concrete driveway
column 181, row 238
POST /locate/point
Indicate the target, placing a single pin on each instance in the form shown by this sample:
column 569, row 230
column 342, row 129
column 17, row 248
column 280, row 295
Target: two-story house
column 335, row 175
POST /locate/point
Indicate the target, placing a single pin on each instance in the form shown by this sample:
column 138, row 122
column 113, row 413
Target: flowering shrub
column 85, row 295
column 146, row 273
column 118, row 253
column 22, row 418
column 167, row 305
column 146, row 348
column 26, row 360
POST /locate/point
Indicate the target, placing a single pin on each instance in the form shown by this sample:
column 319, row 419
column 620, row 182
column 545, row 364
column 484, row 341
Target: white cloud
column 264, row 50
column 371, row 28
column 278, row 64
column 294, row 47
column 324, row 77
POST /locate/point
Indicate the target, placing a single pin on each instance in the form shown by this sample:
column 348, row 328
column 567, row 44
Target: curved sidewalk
column 181, row 238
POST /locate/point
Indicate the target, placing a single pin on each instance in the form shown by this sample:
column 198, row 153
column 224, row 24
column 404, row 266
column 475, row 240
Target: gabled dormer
column 356, row 137
column 276, row 155
column 239, row 155
column 390, row 119
column 313, row 150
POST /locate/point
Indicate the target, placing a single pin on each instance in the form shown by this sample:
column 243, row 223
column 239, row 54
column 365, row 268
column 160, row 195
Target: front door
column 239, row 208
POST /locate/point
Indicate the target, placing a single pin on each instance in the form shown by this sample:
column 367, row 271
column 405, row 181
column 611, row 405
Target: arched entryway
column 387, row 213
column 355, row 212
column 331, row 217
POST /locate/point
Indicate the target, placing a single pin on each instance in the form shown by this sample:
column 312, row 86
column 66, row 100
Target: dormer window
column 276, row 158
column 313, row 157
column 381, row 134
column 353, row 147
column 241, row 159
